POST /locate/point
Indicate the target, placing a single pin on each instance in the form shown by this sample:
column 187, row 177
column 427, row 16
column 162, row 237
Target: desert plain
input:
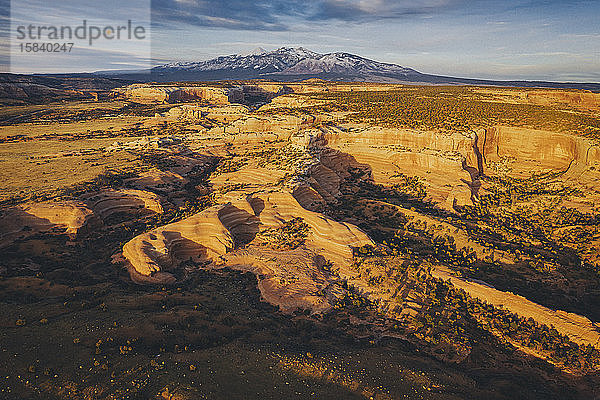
column 314, row 239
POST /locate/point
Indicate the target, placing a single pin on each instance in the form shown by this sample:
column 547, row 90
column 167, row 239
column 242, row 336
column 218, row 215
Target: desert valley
column 309, row 239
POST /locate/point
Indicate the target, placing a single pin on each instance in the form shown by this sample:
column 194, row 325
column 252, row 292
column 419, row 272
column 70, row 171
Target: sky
column 509, row 39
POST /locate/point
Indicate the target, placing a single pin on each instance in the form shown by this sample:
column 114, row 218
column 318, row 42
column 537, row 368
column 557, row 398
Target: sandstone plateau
column 455, row 225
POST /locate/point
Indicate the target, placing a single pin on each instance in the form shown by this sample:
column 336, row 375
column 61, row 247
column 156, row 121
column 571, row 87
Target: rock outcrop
column 440, row 160
column 143, row 93
column 109, row 202
column 155, row 180
column 579, row 329
column 533, row 151
column 229, row 235
column 194, row 112
column 65, row 217
column 292, row 101
column 283, row 125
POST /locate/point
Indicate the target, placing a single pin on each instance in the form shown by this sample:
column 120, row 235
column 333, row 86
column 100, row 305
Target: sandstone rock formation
column 157, row 181
column 142, row 93
column 579, row 329
column 534, row 151
column 292, row 101
column 109, row 202
column 283, row 125
column 67, row 217
column 192, row 112
column 440, row 160
column 225, row 235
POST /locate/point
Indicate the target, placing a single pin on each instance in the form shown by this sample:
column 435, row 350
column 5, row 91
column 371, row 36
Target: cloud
column 4, row 17
column 276, row 15
column 4, row 35
column 81, row 60
column 283, row 15
column 229, row 14
column 361, row 10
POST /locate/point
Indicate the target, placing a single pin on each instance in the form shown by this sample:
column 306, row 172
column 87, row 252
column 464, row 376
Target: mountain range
column 290, row 62
column 295, row 64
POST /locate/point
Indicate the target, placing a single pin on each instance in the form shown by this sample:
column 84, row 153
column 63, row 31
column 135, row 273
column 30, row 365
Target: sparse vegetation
column 289, row 236
column 455, row 108
column 361, row 321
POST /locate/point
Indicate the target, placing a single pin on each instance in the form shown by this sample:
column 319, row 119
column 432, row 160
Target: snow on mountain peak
column 255, row 52
column 291, row 61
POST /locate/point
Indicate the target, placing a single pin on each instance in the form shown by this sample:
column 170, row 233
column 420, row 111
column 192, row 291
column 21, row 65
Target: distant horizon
column 266, row 51
column 269, row 50
column 480, row 39
column 533, row 40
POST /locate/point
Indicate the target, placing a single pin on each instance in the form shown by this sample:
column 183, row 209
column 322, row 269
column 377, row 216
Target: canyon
column 454, row 235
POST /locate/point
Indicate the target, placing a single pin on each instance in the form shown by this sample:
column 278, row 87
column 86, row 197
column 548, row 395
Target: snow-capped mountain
column 267, row 62
column 345, row 63
column 287, row 61
column 296, row 64
column 255, row 52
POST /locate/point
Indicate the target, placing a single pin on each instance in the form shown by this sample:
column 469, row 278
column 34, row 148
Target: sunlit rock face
column 107, row 203
column 140, row 93
column 230, row 235
column 442, row 161
column 533, row 151
column 355, row 226
column 69, row 217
